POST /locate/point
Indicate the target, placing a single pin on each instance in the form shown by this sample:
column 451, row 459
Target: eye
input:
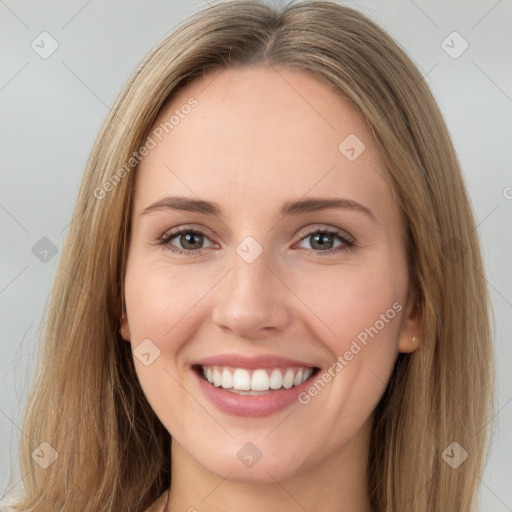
column 322, row 241
column 191, row 240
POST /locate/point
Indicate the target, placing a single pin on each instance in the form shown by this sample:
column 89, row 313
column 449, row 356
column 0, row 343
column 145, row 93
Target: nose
column 252, row 301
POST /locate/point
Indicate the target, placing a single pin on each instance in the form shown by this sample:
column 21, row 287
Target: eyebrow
column 288, row 208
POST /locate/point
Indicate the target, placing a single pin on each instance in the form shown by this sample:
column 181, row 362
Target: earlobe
column 409, row 339
column 125, row 328
column 406, row 346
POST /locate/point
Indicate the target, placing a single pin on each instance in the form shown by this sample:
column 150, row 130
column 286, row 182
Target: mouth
column 252, row 385
column 258, row 381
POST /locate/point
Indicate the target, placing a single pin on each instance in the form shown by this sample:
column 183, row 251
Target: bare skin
column 257, row 138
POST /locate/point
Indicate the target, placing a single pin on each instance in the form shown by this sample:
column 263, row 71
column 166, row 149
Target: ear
column 409, row 338
column 125, row 328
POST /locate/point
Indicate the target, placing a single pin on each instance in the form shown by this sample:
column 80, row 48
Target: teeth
column 241, row 379
column 260, row 380
column 247, row 382
column 227, row 379
column 276, row 379
column 217, row 377
column 288, row 379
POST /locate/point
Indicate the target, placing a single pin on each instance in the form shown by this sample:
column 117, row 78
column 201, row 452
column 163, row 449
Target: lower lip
column 251, row 405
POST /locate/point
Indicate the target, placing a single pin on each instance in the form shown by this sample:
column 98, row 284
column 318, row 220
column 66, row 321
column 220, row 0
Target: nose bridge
column 250, row 280
column 250, row 298
column 250, row 270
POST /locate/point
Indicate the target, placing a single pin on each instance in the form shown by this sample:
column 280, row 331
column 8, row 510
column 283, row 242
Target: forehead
column 256, row 133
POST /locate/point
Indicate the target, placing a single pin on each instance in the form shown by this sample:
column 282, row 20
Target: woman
column 273, row 264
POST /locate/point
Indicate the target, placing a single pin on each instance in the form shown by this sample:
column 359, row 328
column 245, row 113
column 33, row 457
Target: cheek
column 350, row 299
column 363, row 305
column 360, row 308
column 160, row 298
column 158, row 307
column 157, row 311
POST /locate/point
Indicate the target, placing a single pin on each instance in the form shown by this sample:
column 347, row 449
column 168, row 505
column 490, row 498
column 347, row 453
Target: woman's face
column 275, row 284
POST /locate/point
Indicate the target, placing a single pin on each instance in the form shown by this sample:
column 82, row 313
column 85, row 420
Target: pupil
column 319, row 239
column 188, row 242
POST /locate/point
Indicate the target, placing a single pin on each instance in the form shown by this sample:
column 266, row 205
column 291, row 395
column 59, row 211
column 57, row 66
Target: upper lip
column 252, row 362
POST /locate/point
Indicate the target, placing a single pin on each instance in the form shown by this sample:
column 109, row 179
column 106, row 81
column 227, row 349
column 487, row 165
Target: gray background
column 52, row 109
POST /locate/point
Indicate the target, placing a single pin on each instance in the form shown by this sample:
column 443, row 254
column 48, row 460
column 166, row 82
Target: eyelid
column 185, row 228
column 314, row 228
column 171, row 233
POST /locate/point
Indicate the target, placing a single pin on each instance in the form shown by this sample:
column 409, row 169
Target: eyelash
column 168, row 236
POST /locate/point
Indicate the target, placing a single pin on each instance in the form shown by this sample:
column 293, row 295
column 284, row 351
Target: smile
column 254, row 382
column 252, row 386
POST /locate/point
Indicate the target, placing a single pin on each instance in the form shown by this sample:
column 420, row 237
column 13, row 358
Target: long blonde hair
column 86, row 401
